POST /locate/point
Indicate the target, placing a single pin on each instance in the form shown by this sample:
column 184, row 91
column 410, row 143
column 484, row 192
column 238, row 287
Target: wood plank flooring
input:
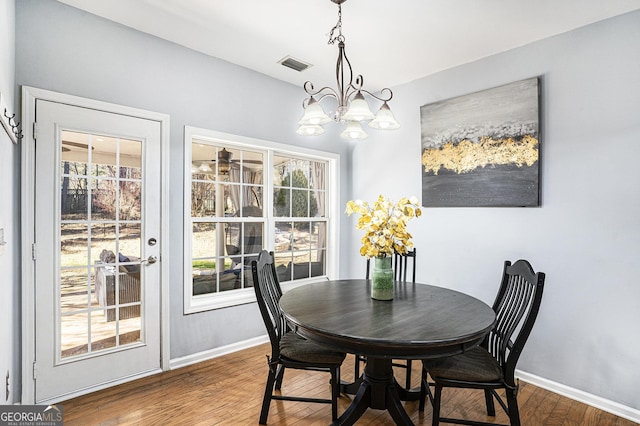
column 228, row 391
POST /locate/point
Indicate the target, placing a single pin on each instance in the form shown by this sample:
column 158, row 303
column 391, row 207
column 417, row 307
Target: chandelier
column 352, row 109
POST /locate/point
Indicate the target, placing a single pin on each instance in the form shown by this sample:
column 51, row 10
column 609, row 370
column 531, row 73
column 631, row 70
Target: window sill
column 215, row 301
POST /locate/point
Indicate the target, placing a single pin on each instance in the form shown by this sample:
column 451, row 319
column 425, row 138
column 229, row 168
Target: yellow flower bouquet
column 385, row 225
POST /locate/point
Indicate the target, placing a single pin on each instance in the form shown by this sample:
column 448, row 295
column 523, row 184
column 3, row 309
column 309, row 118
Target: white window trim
column 193, row 304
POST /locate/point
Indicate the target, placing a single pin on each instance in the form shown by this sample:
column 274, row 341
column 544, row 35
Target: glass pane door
column 97, row 253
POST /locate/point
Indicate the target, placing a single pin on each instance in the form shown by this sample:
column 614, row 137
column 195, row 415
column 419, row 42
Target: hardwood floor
column 228, row 391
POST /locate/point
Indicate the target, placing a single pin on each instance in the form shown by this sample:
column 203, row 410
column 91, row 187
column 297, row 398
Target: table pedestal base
column 378, row 390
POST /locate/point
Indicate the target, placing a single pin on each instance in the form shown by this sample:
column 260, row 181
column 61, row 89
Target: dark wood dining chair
column 289, row 350
column 491, row 365
column 399, row 264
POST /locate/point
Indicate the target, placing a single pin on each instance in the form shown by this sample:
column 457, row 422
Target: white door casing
column 60, row 374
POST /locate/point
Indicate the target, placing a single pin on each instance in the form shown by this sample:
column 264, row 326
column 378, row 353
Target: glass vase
column 382, row 279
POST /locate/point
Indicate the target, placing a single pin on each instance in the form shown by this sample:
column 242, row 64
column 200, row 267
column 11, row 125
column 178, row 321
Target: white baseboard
column 216, row 352
column 609, row 406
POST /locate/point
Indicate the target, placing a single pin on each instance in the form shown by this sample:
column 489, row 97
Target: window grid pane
column 100, row 243
column 227, row 197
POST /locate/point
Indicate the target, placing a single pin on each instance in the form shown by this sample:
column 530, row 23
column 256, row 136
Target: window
column 243, row 195
column 300, row 220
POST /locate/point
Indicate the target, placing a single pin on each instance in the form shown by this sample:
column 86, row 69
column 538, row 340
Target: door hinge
column 33, row 251
column 34, row 370
column 35, row 128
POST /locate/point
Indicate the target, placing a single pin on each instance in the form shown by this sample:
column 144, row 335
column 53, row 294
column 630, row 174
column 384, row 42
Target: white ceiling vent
column 294, row 64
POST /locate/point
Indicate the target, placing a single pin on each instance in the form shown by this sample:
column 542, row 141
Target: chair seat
column 475, row 365
column 297, row 348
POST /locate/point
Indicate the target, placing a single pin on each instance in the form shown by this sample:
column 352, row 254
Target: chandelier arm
column 358, row 83
column 351, row 91
column 309, row 89
column 331, row 94
column 381, row 97
column 354, row 87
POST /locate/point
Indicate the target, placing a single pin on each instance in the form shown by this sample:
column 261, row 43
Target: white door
column 97, row 249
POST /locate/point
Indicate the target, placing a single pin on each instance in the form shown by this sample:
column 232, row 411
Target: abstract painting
column 482, row 149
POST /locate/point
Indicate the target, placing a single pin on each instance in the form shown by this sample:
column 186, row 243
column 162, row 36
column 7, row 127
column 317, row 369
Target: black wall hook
column 15, row 125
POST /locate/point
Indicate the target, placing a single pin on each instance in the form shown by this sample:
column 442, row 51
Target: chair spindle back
column 268, row 293
column 399, row 265
column 516, row 307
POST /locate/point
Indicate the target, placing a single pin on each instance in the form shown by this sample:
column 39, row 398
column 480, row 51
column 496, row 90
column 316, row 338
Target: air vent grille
column 294, row 64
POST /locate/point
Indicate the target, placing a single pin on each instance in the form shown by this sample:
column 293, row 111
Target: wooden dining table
column 422, row 321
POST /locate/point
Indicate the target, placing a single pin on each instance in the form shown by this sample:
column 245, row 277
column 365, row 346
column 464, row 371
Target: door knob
column 151, row 260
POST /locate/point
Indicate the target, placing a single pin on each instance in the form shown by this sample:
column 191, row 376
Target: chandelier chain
column 338, row 26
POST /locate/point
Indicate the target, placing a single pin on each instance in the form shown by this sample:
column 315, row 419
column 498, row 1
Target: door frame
column 27, row 204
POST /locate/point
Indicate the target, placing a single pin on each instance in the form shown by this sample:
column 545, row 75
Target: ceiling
column 388, row 42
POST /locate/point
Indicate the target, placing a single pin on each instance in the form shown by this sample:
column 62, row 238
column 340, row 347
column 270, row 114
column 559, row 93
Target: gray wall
column 9, row 215
column 63, row 49
column 586, row 234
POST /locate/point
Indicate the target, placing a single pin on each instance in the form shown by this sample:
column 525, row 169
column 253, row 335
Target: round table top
column 421, row 321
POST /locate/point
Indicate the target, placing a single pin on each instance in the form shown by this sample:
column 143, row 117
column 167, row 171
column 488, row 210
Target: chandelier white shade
column 358, row 109
column 310, row 130
column 314, row 115
column 352, row 108
column 384, row 119
column 353, row 131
